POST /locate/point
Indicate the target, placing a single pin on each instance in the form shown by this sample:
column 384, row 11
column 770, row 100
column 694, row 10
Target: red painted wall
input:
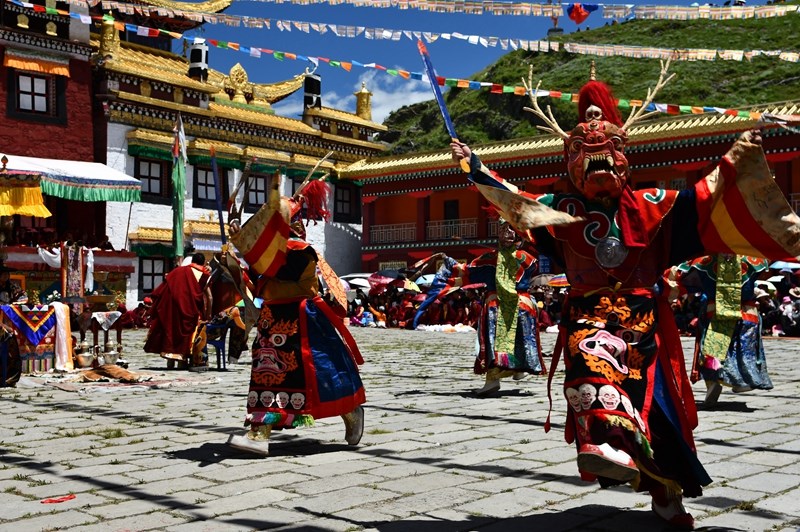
column 73, row 140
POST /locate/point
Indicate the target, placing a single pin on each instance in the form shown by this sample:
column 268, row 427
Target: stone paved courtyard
column 433, row 457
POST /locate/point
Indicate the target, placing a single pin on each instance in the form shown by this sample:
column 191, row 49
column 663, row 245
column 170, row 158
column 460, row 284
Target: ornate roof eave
column 342, row 116
column 269, row 92
column 261, row 119
column 203, row 146
column 155, row 102
column 544, row 146
column 355, row 142
column 157, row 75
column 304, row 161
column 151, row 234
column 263, row 155
column 159, row 65
column 208, row 6
column 164, row 235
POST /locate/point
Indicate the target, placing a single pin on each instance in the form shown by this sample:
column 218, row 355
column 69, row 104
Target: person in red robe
column 180, row 303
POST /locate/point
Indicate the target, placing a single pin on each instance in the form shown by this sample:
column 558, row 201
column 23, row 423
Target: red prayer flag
column 577, row 13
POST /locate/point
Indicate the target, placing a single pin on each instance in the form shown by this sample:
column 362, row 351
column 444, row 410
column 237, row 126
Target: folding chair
column 220, row 333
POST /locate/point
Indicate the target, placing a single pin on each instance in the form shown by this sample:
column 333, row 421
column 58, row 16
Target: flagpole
column 178, row 189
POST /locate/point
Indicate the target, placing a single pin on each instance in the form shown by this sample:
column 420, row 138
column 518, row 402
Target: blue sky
column 452, row 59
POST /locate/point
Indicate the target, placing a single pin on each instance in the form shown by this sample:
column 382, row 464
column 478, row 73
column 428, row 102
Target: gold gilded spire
column 109, row 39
column 363, row 105
column 592, row 72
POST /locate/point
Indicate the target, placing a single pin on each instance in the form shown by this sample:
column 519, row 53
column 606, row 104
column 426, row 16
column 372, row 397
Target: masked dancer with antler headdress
column 631, row 411
column 305, row 362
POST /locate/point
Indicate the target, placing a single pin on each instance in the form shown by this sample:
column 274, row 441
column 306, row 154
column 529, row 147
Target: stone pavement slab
column 434, row 457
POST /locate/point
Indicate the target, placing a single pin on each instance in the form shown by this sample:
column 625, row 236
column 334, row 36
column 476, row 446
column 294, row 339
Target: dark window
column 451, row 210
column 36, row 97
column 257, row 192
column 156, row 180
column 151, row 274
column 205, row 195
column 346, row 203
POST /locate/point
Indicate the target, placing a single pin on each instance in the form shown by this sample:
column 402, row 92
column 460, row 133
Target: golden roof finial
column 363, row 105
column 592, row 72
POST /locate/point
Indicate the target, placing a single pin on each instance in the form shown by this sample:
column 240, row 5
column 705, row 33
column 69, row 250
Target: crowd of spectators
column 396, row 308
column 778, row 303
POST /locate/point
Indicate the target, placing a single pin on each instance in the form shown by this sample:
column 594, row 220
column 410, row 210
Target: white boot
column 713, row 389
column 519, row 375
column 354, row 426
column 491, row 386
column 253, row 441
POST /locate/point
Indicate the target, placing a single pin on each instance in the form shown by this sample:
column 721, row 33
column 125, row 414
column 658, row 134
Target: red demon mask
column 595, row 156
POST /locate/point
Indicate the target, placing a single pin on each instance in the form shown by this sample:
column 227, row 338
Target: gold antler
column 637, row 113
column 549, row 119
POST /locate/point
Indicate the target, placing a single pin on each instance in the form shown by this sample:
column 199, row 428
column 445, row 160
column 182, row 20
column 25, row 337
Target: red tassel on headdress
column 599, row 94
column 316, row 195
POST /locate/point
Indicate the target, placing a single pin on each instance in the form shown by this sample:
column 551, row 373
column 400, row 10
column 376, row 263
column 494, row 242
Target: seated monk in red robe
column 180, row 304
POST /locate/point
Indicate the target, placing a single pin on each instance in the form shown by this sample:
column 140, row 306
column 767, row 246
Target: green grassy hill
column 483, row 117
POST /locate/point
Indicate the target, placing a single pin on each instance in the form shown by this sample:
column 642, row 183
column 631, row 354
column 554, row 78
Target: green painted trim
column 205, row 160
column 150, row 152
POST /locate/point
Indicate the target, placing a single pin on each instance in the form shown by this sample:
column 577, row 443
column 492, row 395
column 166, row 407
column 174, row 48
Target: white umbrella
column 425, row 280
column 775, row 279
column 766, row 285
column 783, row 265
column 358, row 281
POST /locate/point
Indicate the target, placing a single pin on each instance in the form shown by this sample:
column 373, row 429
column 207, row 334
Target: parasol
column 768, row 286
column 783, row 265
column 405, row 284
column 558, row 281
column 542, row 279
column 426, row 280
column 358, row 282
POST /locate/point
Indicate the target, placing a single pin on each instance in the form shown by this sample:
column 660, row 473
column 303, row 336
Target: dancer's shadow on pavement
column 213, row 453
column 726, row 407
column 579, row 518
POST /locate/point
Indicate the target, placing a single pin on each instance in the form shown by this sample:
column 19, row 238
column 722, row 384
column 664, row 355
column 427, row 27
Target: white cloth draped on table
column 63, row 338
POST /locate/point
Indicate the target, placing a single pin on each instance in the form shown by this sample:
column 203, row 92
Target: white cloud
column 388, row 94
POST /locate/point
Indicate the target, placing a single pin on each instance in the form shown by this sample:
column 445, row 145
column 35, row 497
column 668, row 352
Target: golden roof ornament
column 363, row 105
column 238, row 82
column 109, row 38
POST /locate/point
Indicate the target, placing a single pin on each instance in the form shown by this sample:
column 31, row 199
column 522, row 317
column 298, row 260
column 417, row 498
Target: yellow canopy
column 20, row 194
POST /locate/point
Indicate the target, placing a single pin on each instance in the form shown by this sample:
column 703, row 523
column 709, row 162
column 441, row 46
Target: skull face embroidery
column 574, row 398
column 609, row 396
column 282, row 399
column 252, row 399
column 297, row 400
column 267, row 398
column 588, row 394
